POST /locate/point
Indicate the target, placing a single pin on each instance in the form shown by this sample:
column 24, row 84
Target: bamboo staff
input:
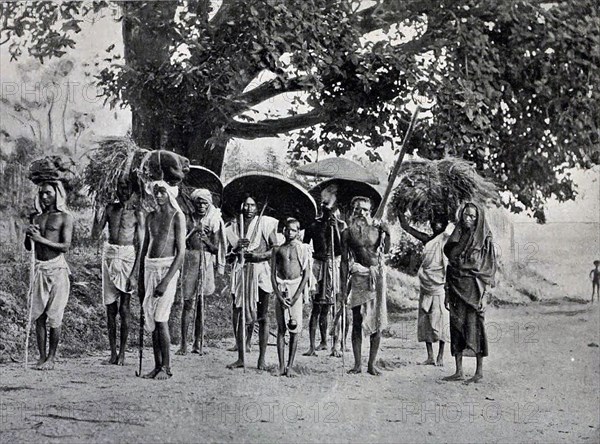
column 243, row 279
column 30, row 299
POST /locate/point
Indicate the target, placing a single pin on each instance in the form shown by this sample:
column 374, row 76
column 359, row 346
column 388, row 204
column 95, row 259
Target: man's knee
column 356, row 318
column 112, row 309
column 124, row 311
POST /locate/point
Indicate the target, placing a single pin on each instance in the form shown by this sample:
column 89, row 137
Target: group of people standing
column 337, row 261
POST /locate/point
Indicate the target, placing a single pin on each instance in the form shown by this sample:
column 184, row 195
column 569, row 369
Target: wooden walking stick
column 30, row 299
column 141, row 291
column 243, row 279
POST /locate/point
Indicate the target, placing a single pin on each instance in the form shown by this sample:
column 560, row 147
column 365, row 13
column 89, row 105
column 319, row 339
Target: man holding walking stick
column 255, row 236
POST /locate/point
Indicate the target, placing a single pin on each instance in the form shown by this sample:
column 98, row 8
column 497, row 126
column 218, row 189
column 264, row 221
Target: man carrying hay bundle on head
column 120, row 262
column 49, row 233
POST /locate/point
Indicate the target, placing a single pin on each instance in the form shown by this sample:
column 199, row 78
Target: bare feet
column 310, row 352
column 474, row 380
column 163, row 374
column 261, row 365
column 232, row 349
column 40, row 362
column 372, row 370
column 152, row 374
column 454, row 377
column 428, row 361
column 237, row 364
column 280, row 372
column 121, row 359
column 47, row 365
column 112, row 360
column 196, row 351
column 439, row 362
column 290, row 373
column 322, row 346
column 355, row 370
column 336, row 353
column 182, row 351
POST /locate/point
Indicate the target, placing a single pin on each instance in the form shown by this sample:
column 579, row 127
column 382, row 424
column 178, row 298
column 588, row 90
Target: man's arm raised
column 100, row 219
column 410, row 230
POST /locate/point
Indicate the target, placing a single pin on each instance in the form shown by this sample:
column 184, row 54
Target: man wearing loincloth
column 471, row 270
column 51, row 229
column 205, row 248
column 326, row 269
column 363, row 246
column 120, row 262
column 257, row 239
column 162, row 257
column 291, row 267
column 433, row 321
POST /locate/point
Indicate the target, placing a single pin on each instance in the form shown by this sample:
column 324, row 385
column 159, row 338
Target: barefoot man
column 257, row 239
column 162, row 257
column 205, row 246
column 291, row 267
column 363, row 246
column 433, row 322
column 120, row 263
column 471, row 269
column 51, row 230
column 326, row 269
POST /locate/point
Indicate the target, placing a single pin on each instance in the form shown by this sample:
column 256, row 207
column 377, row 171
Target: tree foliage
column 515, row 83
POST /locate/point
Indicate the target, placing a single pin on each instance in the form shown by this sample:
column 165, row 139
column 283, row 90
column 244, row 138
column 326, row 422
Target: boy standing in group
column 291, row 266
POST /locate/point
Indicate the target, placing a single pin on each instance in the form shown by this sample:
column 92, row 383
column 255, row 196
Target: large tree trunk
column 147, row 43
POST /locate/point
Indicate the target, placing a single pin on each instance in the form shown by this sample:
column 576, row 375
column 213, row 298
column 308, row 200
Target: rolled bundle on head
column 56, row 168
column 434, row 188
column 164, row 165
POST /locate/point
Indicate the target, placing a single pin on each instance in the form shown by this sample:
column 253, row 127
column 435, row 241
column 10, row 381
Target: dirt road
column 542, row 383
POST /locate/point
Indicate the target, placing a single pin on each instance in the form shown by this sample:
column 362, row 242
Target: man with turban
column 205, row 248
column 162, row 256
column 51, row 231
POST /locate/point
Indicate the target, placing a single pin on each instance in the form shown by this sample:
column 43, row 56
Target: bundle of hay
column 114, row 158
column 119, row 158
column 428, row 187
column 54, row 168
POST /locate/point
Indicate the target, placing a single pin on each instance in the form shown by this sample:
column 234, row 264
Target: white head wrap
column 202, row 193
column 61, row 197
column 172, row 192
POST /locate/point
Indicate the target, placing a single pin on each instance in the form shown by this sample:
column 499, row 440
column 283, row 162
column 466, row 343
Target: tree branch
column 390, row 12
column 273, row 127
column 267, row 90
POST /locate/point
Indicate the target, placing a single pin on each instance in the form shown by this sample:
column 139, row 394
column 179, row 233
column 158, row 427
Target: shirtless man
column 325, row 268
column 256, row 240
column 162, row 256
column 120, row 263
column 291, row 266
column 595, row 278
column 362, row 261
column 51, row 230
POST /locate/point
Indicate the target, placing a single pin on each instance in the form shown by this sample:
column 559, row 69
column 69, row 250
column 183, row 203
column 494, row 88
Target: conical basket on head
column 339, row 168
column 284, row 197
column 346, row 191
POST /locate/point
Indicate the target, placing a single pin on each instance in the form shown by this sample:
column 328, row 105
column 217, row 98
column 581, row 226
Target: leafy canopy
column 515, row 83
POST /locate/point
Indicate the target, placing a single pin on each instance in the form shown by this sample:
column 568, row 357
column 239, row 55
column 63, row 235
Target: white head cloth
column 61, row 197
column 172, row 192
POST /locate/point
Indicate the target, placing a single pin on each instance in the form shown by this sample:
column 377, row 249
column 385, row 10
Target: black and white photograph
column 306, row 221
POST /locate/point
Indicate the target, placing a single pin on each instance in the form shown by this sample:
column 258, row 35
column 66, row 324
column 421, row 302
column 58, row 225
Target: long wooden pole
column 243, row 279
column 30, row 300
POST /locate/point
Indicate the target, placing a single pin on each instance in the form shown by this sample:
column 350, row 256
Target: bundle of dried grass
column 115, row 158
column 428, row 187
